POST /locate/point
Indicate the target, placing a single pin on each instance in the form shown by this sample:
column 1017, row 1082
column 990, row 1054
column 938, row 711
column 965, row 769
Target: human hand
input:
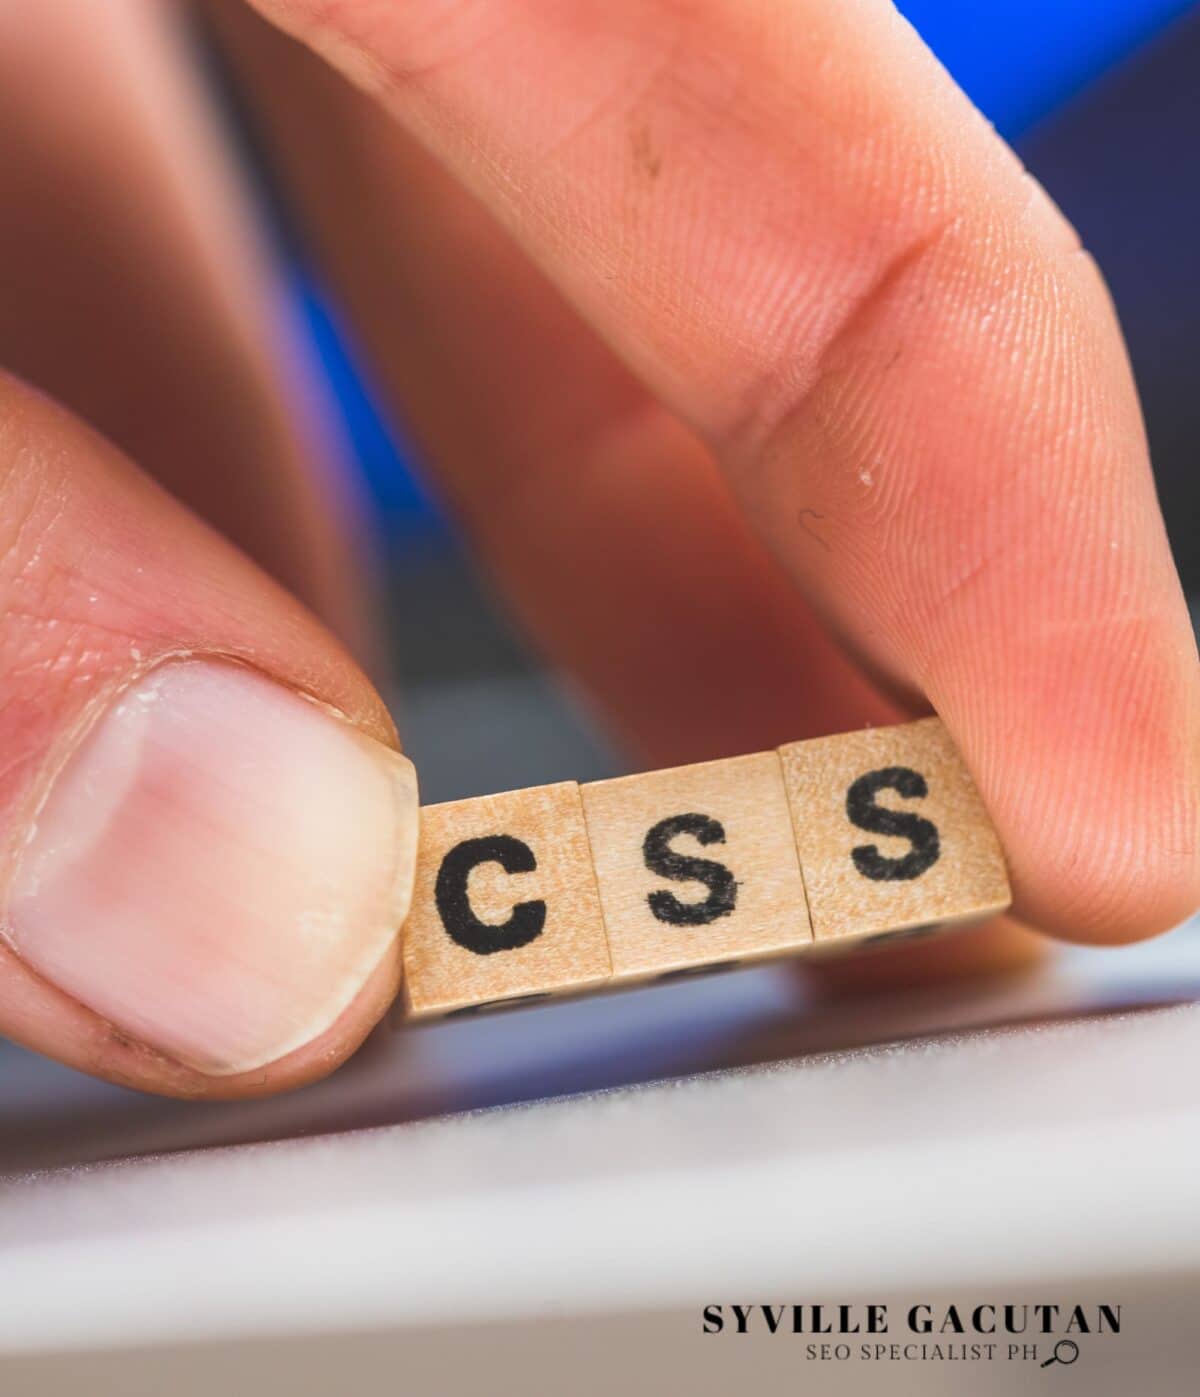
column 775, row 395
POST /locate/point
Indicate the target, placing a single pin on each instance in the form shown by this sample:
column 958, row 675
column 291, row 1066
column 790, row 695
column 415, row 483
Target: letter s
column 877, row 819
column 660, row 858
column 714, row 1320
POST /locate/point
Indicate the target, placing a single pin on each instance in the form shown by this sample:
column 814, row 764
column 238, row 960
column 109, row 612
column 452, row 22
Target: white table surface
column 1013, row 1141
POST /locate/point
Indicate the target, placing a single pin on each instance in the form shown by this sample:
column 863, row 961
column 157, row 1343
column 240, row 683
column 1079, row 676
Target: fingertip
column 315, row 1060
column 207, row 838
column 1103, row 903
column 1110, row 876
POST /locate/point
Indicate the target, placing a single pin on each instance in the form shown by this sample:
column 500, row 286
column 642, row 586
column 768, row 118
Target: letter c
column 463, row 927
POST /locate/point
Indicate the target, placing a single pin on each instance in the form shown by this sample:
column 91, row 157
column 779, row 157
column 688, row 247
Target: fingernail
column 219, row 867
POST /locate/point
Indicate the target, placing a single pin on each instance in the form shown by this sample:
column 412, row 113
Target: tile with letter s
column 891, row 831
column 696, row 866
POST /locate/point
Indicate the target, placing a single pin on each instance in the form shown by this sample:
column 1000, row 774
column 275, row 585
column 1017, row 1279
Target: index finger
column 793, row 226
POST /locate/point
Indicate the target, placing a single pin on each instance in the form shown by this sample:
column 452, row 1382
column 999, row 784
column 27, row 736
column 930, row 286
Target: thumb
column 207, row 834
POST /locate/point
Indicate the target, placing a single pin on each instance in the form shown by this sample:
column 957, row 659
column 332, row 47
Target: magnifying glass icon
column 1066, row 1351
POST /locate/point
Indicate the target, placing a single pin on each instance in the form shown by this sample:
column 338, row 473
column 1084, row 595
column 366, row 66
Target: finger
column 138, row 292
column 206, row 833
column 643, row 582
column 798, row 233
column 603, row 519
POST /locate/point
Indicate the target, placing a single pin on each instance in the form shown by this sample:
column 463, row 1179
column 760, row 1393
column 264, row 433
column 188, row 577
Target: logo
column 1044, row 1334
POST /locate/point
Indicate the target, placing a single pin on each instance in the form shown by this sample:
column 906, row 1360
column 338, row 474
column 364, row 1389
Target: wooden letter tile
column 505, row 902
column 891, row 831
column 696, row 866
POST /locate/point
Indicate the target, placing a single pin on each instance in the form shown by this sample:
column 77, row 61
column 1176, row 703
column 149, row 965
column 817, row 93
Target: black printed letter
column 863, row 812
column 662, row 859
column 462, row 925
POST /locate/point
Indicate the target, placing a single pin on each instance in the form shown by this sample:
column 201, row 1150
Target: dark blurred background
column 1102, row 100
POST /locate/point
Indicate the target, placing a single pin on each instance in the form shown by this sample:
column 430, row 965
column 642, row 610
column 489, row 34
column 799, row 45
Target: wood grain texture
column 696, row 866
column 489, row 907
column 891, row 832
column 822, row 844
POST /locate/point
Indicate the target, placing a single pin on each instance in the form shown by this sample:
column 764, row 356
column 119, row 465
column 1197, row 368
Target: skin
column 839, row 407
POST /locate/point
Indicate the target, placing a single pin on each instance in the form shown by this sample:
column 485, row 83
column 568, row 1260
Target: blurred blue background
column 1019, row 60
